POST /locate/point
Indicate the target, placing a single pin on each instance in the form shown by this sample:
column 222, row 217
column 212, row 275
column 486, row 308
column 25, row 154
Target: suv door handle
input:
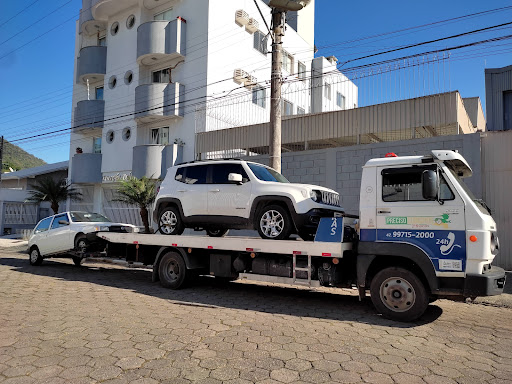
column 215, row 190
column 384, row 210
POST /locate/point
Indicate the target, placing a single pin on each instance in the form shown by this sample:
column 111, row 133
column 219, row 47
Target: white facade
column 203, row 43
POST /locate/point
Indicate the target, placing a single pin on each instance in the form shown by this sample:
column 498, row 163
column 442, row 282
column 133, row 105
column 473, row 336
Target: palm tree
column 54, row 191
column 139, row 192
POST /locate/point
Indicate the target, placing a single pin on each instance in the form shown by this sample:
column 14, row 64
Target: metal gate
column 497, row 188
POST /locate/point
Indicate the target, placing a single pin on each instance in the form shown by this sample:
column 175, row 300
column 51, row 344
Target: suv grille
column 330, row 198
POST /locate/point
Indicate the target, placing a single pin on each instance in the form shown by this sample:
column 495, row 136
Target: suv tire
column 274, row 222
column 217, row 232
column 170, row 221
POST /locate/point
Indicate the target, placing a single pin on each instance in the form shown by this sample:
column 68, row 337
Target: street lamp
column 279, row 8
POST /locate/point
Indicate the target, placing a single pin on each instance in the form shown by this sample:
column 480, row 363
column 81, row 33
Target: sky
column 37, row 49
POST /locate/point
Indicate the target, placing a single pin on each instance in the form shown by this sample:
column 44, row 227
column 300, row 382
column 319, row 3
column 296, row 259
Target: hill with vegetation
column 16, row 158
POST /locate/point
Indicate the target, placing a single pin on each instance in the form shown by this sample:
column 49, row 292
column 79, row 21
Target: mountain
column 17, row 158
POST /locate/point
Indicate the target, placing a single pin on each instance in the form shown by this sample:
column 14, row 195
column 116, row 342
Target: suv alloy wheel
column 274, row 222
column 170, row 222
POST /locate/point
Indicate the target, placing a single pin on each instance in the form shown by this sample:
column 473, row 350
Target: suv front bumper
column 489, row 283
column 308, row 222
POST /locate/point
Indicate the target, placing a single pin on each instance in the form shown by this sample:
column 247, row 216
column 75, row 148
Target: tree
column 139, row 192
column 54, row 191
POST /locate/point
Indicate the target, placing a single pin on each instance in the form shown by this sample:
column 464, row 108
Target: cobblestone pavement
column 105, row 324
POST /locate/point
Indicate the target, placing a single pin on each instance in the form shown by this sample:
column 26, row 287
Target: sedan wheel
column 35, row 257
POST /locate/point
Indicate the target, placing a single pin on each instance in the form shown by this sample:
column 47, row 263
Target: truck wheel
column 35, row 257
column 217, row 232
column 172, row 270
column 274, row 223
column 398, row 294
column 170, row 222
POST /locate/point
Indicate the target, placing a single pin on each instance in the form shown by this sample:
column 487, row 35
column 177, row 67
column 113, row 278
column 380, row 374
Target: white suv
column 219, row 195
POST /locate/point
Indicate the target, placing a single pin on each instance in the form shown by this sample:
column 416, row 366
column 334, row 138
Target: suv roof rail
column 200, row 161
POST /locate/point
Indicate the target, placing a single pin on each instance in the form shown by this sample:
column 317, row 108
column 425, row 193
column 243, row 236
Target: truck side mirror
column 235, row 178
column 429, row 184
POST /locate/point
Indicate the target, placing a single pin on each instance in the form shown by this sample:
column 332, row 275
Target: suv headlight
column 315, row 195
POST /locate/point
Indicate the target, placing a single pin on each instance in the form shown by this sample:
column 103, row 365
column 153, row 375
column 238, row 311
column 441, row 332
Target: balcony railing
column 152, row 160
column 89, row 114
column 159, row 101
column 161, row 40
column 92, row 64
column 86, row 168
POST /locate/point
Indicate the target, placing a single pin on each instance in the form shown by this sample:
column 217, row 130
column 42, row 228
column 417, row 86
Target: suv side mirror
column 235, row 178
column 429, row 183
column 63, row 222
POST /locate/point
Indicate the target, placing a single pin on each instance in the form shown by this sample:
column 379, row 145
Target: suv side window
column 43, row 225
column 220, row 172
column 196, row 174
column 179, row 175
column 58, row 218
column 404, row 184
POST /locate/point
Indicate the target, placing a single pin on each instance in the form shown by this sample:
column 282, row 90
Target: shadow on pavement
column 208, row 292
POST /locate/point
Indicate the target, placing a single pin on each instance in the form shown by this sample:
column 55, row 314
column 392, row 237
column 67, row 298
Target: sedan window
column 58, row 218
column 43, row 225
column 86, row 217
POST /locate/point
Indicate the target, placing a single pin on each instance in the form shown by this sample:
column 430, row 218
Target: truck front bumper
column 489, row 283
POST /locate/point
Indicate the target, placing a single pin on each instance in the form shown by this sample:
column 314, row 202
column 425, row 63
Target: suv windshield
column 479, row 203
column 85, row 217
column 266, row 174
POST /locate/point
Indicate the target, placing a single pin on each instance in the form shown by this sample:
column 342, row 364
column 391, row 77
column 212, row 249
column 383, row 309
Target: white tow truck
column 420, row 235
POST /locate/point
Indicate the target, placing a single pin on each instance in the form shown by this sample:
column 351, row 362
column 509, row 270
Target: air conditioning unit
column 240, row 76
column 250, row 81
column 252, row 26
column 241, row 17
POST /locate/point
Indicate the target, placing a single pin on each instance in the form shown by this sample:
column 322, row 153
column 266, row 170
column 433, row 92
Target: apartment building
column 149, row 74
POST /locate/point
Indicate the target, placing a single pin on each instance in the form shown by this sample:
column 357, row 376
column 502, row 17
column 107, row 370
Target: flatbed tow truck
column 420, row 235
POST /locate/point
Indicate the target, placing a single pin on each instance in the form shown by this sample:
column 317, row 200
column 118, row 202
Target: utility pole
column 278, row 18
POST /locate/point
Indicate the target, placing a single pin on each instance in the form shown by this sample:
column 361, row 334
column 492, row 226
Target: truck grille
column 330, row 198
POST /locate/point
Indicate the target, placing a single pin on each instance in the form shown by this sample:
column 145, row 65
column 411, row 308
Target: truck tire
column 172, row 270
column 274, row 222
column 217, row 232
column 35, row 257
column 398, row 294
column 170, row 221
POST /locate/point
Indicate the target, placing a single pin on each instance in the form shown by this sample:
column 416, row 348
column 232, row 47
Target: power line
column 17, row 14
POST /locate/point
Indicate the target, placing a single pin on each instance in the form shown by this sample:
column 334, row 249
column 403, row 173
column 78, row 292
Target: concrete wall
column 340, row 168
column 497, row 81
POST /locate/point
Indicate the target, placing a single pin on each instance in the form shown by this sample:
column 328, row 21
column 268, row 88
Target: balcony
column 89, row 114
column 161, row 40
column 86, row 168
column 88, row 25
column 92, row 64
column 152, row 160
column 159, row 101
column 103, row 9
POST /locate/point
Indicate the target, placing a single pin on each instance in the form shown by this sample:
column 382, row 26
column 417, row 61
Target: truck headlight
column 315, row 195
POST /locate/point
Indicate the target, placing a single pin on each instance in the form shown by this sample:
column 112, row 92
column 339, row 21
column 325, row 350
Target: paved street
column 101, row 323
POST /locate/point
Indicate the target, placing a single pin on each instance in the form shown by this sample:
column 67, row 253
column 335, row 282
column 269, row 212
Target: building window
column 128, row 77
column 259, row 96
column 130, row 21
column 160, row 136
column 112, row 82
column 127, row 133
column 340, row 100
column 114, row 29
column 261, row 42
column 287, row 62
column 302, row 71
column 327, row 91
column 300, row 111
column 102, row 41
column 165, row 15
column 96, row 145
column 110, row 136
column 287, row 108
column 161, row 76
column 99, row 93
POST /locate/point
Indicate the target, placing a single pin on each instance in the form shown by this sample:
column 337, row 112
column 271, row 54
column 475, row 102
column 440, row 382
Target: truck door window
column 404, row 184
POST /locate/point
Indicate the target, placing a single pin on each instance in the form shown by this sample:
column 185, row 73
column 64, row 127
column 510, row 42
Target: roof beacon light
column 391, row 154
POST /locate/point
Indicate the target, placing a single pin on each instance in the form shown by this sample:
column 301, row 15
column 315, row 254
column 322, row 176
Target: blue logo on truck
column 330, row 230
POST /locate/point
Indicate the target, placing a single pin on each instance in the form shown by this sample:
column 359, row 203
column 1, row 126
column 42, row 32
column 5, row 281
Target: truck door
column 404, row 216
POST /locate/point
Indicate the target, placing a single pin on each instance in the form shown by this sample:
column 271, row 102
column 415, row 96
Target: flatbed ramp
column 240, row 244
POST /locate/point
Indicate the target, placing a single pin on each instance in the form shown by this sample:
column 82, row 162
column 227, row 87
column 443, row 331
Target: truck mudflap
column 489, row 283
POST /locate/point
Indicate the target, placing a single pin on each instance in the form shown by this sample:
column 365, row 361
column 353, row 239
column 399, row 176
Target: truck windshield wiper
column 482, row 202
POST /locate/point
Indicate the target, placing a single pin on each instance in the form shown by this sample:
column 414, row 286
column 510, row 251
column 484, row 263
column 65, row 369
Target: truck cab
column 417, row 214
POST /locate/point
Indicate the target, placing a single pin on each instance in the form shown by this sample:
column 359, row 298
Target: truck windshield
column 86, row 217
column 266, row 174
column 479, row 203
